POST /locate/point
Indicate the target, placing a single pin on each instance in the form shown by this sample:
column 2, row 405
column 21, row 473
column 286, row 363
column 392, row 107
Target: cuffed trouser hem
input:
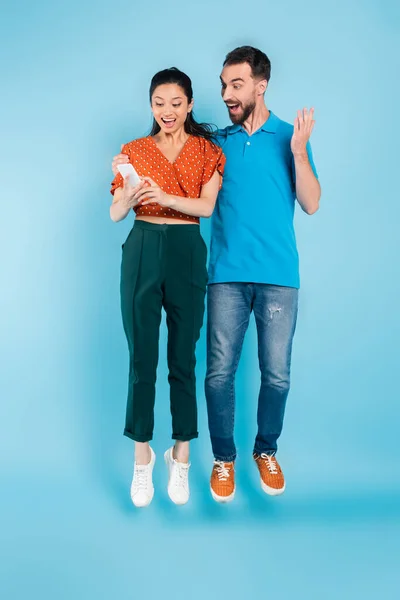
column 226, row 459
column 259, row 449
column 185, row 438
column 223, row 448
column 138, row 438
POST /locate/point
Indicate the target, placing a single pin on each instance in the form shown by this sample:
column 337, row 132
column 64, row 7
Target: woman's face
column 170, row 107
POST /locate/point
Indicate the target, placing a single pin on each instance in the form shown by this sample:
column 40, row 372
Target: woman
column 164, row 266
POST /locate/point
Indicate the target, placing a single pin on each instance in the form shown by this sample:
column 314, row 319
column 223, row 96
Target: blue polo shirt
column 252, row 232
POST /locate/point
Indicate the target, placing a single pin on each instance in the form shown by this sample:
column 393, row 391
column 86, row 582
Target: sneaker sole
column 272, row 491
column 168, row 463
column 143, row 505
column 177, row 502
column 222, row 499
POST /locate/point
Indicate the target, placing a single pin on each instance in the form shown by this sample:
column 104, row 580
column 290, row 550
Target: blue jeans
column 229, row 308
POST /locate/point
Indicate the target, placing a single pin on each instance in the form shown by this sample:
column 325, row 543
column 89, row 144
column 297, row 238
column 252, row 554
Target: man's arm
column 308, row 189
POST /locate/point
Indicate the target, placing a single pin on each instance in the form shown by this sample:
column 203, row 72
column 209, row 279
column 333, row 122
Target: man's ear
column 262, row 87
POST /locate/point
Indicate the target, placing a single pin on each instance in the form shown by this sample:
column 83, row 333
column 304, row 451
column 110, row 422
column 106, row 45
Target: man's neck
column 256, row 119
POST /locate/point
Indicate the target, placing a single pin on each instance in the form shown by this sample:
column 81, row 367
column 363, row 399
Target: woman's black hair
column 192, row 127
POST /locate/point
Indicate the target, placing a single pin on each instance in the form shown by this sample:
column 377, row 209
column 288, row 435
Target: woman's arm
column 195, row 207
column 124, row 200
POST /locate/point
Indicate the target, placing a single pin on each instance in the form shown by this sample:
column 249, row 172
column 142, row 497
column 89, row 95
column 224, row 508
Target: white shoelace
column 222, row 470
column 182, row 474
column 140, row 478
column 271, row 464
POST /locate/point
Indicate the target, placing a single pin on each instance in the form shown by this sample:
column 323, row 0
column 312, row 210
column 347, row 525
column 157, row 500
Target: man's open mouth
column 233, row 108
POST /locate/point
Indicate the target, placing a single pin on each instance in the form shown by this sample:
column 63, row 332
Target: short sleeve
column 214, row 161
column 118, row 180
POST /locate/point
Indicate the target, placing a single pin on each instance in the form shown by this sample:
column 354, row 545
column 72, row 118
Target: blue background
column 75, row 80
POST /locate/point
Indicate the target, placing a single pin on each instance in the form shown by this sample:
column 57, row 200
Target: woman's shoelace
column 222, row 471
column 182, row 478
column 140, row 477
column 270, row 461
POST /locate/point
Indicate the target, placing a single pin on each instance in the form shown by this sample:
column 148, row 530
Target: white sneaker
column 142, row 489
column 178, row 482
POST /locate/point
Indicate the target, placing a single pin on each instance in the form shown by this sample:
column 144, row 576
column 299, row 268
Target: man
column 254, row 262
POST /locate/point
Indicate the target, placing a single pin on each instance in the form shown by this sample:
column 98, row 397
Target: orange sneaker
column 223, row 481
column 272, row 479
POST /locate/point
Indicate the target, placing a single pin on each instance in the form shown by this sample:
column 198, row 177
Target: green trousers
column 163, row 266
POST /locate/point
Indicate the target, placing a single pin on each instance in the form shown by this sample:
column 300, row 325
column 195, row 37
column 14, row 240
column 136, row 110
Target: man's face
column 239, row 91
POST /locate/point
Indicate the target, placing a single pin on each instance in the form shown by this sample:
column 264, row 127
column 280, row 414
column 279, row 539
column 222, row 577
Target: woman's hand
column 120, row 159
column 129, row 197
column 151, row 193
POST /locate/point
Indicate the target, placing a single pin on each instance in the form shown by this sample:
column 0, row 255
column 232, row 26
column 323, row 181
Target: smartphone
column 127, row 170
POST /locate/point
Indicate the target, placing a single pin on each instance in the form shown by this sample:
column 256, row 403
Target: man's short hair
column 259, row 62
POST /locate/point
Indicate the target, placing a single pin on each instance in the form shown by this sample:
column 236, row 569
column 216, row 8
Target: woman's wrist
column 171, row 201
column 127, row 200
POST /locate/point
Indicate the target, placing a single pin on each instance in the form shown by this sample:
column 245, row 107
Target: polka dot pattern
column 193, row 168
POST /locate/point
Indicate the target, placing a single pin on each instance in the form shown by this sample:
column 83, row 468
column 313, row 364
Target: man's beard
column 240, row 118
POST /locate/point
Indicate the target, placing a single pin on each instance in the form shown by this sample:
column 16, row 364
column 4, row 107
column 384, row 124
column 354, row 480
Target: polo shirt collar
column 234, row 129
column 270, row 125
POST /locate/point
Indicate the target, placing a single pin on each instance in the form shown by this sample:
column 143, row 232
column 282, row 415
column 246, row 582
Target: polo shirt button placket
column 246, row 147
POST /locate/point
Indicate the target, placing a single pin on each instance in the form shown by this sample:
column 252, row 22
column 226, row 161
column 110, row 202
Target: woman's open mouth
column 169, row 122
